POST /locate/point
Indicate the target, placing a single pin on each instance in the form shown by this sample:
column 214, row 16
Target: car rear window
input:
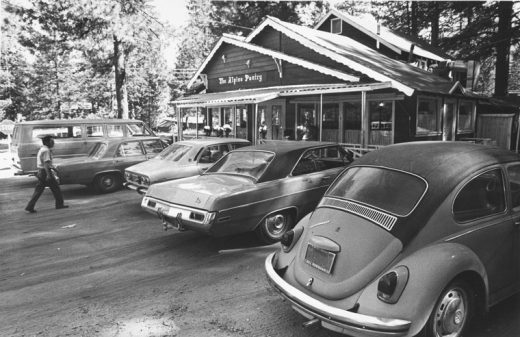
column 395, row 192
column 174, row 152
column 246, row 163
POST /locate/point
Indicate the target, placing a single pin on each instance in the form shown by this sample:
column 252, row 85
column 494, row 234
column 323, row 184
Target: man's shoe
column 62, row 206
column 30, row 210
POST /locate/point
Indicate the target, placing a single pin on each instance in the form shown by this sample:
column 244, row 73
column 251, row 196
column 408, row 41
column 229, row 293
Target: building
column 339, row 81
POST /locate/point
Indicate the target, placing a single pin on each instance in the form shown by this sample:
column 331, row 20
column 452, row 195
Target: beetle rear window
column 395, row 192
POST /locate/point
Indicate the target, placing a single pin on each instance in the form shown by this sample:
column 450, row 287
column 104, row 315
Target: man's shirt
column 44, row 155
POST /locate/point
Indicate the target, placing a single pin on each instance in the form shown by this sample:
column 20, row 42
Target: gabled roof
column 342, row 49
column 368, row 25
column 275, row 54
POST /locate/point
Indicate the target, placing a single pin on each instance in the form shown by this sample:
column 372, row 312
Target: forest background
column 86, row 58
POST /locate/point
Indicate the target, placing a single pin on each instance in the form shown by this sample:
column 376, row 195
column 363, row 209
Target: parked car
column 412, row 238
column 181, row 159
column 72, row 138
column 265, row 188
column 104, row 167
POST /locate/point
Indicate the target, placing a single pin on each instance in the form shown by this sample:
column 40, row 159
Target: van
column 72, row 138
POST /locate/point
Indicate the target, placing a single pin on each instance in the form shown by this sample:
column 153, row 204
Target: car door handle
column 517, row 222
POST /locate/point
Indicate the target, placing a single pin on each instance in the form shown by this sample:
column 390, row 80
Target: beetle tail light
column 287, row 238
column 391, row 285
column 290, row 238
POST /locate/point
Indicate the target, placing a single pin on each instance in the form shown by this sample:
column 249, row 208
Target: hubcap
column 450, row 314
column 108, row 181
column 276, row 225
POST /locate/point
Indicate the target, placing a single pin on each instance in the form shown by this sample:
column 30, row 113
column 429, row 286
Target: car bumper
column 139, row 189
column 332, row 318
column 179, row 217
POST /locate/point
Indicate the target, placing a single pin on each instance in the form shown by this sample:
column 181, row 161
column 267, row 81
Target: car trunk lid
column 343, row 252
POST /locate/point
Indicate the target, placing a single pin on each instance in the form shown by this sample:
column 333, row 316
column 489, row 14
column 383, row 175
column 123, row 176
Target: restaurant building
column 343, row 81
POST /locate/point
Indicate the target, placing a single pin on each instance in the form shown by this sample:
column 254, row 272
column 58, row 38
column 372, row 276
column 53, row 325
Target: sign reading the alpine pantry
column 241, row 79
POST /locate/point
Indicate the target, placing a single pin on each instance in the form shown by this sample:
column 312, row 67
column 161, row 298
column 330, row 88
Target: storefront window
column 276, row 122
column 465, row 121
column 227, row 123
column 306, row 129
column 380, row 122
column 241, row 122
column 352, row 122
column 428, row 116
column 330, row 123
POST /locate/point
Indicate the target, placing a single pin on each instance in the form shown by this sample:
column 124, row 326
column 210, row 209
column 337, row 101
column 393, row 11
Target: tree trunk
column 120, row 70
column 505, row 13
column 414, row 30
column 435, row 24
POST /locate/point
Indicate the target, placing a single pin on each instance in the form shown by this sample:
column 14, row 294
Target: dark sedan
column 413, row 239
column 265, row 188
column 103, row 168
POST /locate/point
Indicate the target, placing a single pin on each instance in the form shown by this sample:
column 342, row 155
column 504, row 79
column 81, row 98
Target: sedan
column 179, row 160
column 413, row 239
column 103, row 168
column 265, row 188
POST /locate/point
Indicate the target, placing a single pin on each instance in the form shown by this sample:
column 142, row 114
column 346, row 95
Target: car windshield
column 98, row 151
column 392, row 191
column 247, row 163
column 174, row 152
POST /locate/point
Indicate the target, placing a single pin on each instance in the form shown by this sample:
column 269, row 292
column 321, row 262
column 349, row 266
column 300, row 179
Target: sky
column 172, row 11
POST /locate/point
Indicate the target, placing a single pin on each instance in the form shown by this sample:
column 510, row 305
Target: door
column 352, row 122
column 270, row 120
column 330, row 123
column 380, row 128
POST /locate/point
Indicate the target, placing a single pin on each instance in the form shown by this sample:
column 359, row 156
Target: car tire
column 452, row 311
column 273, row 227
column 108, row 182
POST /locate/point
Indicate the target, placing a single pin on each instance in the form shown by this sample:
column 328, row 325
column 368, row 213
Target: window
column 175, row 152
column 94, row 131
column 212, row 153
column 245, row 163
column 306, row 119
column 137, row 129
column 153, row 146
column 514, row 184
column 115, row 130
column 428, row 115
column 380, row 115
column 57, row 132
column 352, row 113
column 238, row 145
column 465, row 121
column 336, row 26
column 98, row 151
column 482, row 196
column 129, row 149
column 316, row 160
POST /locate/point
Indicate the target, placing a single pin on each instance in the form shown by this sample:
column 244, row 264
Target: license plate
column 320, row 259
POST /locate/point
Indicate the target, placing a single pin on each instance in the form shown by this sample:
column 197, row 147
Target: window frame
column 438, row 107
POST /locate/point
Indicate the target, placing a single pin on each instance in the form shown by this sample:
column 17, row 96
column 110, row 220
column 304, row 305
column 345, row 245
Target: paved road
column 105, row 268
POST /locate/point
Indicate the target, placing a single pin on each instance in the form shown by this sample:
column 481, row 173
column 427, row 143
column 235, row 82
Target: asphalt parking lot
column 103, row 267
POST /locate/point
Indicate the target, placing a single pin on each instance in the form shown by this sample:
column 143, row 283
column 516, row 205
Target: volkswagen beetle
column 264, row 188
column 412, row 239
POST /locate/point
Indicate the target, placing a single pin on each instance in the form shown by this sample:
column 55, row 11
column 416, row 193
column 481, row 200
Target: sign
column 241, row 79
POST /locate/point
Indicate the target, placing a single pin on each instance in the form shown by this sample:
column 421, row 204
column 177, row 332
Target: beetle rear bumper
column 332, row 318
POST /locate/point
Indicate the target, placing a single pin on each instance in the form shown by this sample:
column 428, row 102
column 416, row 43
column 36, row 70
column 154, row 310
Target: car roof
column 79, row 121
column 212, row 141
column 434, row 160
column 286, row 155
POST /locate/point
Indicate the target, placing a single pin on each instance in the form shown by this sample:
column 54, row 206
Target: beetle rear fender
column 430, row 270
column 284, row 258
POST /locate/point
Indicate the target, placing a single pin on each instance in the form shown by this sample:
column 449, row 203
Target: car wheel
column 452, row 312
column 273, row 227
column 108, row 182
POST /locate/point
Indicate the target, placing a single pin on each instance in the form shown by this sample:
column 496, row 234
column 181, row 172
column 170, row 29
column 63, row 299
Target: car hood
column 363, row 251
column 159, row 170
column 202, row 192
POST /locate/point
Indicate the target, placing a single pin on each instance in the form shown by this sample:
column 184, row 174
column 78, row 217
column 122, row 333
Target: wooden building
column 338, row 81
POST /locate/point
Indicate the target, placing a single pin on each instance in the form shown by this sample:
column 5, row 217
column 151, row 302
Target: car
column 412, row 239
column 181, row 159
column 104, row 167
column 264, row 188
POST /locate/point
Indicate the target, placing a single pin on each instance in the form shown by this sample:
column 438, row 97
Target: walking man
column 45, row 176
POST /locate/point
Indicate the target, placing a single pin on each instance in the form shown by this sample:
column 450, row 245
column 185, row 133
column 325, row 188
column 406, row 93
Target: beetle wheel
column 108, row 182
column 274, row 226
column 452, row 312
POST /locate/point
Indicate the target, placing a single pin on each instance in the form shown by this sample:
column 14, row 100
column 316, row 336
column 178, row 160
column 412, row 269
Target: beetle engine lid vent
column 382, row 219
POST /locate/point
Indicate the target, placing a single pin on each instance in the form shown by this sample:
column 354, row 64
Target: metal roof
column 253, row 96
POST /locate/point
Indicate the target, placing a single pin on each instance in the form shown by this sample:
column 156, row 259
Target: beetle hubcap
column 276, row 224
column 107, row 182
column 450, row 314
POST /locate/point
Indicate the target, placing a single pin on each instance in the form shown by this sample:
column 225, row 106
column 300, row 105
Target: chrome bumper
column 339, row 320
column 139, row 189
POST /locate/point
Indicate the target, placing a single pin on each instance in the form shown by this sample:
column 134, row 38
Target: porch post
column 365, row 123
column 320, row 115
column 255, row 126
column 179, row 123
column 197, row 123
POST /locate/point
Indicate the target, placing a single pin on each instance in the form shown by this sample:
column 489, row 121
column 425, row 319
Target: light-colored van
column 72, row 138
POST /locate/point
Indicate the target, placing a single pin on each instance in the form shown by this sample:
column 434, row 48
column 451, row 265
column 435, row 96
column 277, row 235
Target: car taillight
column 290, row 238
column 391, row 285
column 287, row 238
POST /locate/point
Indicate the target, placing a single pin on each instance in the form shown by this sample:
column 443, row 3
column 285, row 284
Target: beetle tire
column 452, row 312
column 273, row 227
column 108, row 182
